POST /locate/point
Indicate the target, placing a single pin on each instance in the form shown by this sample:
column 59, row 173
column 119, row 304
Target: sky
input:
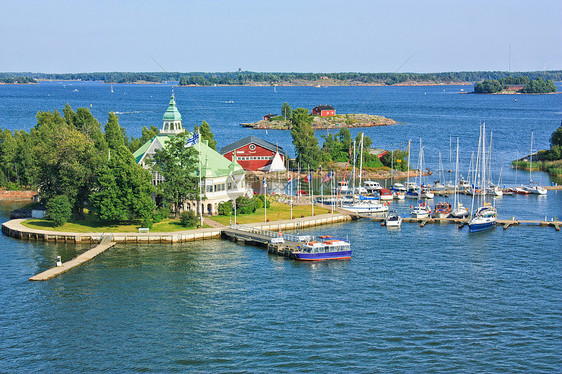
column 422, row 36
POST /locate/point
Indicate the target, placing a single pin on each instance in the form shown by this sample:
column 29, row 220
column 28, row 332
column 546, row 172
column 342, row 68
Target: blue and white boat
column 486, row 215
column 324, row 249
column 485, row 218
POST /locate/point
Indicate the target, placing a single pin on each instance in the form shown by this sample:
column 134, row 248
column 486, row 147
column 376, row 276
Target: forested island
column 248, row 78
column 17, row 80
column 549, row 160
column 512, row 85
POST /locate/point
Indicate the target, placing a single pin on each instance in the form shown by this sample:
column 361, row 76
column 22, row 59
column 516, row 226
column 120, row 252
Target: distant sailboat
column 459, row 211
column 111, row 88
column 533, row 187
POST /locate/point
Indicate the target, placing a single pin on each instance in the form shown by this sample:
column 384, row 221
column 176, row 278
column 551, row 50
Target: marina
column 426, row 297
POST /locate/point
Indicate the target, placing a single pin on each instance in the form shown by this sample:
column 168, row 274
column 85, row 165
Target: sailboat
column 422, row 210
column 425, row 192
column 364, row 205
column 486, row 216
column 112, row 88
column 491, row 189
column 533, row 187
column 459, row 211
column 411, row 187
column 438, row 184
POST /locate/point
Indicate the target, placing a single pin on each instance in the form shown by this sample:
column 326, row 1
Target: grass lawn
column 92, row 224
column 277, row 211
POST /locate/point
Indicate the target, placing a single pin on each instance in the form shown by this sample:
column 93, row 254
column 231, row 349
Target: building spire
column 172, row 119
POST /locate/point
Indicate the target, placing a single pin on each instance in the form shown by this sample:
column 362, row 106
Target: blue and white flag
column 264, row 183
column 194, row 139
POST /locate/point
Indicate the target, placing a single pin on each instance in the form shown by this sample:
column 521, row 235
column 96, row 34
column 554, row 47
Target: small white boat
column 372, row 186
column 460, row 211
column 464, row 184
column 438, row 186
column 535, row 189
column 385, row 194
column 393, row 219
column 494, row 191
column 399, row 195
column 426, row 193
column 368, row 207
column 421, row 211
column 398, row 187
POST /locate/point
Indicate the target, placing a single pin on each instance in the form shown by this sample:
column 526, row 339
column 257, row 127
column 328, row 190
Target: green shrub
column 259, row 201
column 188, row 218
column 161, row 213
column 147, row 223
column 225, row 208
column 59, row 210
column 245, row 205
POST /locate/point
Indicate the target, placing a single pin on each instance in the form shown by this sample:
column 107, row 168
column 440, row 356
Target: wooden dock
column 263, row 238
column 506, row 223
column 104, row 245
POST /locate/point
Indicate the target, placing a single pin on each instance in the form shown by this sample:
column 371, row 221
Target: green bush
column 59, row 210
column 147, row 223
column 245, row 205
column 225, row 208
column 188, row 218
column 259, row 201
column 161, row 213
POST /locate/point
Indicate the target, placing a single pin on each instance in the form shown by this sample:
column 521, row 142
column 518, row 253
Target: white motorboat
column 369, row 207
column 372, row 186
column 393, row 219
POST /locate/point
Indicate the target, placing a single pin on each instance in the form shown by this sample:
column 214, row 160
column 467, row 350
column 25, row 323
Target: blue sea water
column 410, row 300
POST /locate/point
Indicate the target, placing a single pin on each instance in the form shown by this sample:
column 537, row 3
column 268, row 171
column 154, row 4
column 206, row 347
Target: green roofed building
column 221, row 179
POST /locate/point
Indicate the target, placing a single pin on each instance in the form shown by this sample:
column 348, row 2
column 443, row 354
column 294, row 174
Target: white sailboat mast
column 361, row 164
column 456, row 175
column 484, row 162
column 531, row 160
column 408, row 170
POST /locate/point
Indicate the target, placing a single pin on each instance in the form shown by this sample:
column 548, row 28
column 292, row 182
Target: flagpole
column 265, row 198
column 200, row 172
column 321, row 183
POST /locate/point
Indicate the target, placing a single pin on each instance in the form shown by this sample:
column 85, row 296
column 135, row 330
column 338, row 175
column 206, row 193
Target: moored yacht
column 484, row 218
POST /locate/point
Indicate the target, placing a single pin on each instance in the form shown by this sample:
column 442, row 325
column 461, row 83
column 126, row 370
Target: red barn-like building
column 253, row 153
column 324, row 111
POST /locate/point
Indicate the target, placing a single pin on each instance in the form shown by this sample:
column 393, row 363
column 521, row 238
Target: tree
column 556, row 137
column 113, row 132
column 178, row 166
column 206, row 134
column 123, row 189
column 59, row 210
column 306, row 144
column 146, row 135
column 286, row 111
column 66, row 160
column 8, row 146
